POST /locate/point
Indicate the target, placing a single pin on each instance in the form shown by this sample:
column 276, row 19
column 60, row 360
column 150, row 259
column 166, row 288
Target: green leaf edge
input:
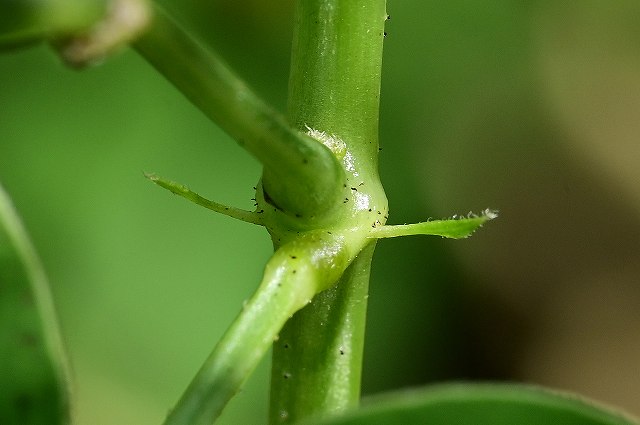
column 410, row 403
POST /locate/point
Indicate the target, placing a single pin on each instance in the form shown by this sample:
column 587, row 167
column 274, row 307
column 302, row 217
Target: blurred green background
column 532, row 108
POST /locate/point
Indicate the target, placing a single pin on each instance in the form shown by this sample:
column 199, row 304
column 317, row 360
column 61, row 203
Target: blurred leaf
column 480, row 404
column 32, row 366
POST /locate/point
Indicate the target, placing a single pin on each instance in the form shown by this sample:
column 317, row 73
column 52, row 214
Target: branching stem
column 293, row 276
column 301, row 175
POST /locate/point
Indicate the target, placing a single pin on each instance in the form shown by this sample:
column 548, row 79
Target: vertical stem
column 317, row 360
column 334, row 88
column 335, row 71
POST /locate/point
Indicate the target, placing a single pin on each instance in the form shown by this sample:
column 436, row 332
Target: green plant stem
column 301, row 175
column 294, row 274
column 318, row 356
column 334, row 89
column 335, row 73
